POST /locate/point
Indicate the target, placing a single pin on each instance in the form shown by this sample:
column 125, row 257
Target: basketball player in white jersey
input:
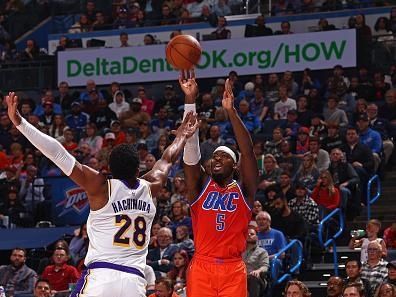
column 121, row 209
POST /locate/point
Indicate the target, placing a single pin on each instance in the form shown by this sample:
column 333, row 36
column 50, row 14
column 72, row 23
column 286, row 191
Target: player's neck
column 224, row 182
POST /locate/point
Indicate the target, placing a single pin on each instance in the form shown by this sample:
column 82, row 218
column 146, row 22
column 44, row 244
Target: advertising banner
column 69, row 202
column 294, row 52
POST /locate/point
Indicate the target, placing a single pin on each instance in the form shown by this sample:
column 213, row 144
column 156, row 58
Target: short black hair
column 166, row 281
column 124, row 161
column 20, row 249
column 354, row 259
column 42, row 280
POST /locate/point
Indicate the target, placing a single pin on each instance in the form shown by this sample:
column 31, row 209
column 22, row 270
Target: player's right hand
column 188, row 85
column 189, row 126
column 12, row 104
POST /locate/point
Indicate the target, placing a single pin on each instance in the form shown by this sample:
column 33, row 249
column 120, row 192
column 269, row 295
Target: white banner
column 294, row 52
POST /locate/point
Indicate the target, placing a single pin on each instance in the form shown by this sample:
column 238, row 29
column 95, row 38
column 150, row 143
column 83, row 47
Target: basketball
column 183, row 52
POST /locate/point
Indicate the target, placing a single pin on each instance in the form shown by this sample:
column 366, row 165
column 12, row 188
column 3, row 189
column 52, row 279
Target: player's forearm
column 174, row 150
column 192, row 153
column 50, row 147
column 241, row 133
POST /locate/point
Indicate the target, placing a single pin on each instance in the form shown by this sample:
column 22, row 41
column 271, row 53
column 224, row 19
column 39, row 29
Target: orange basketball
column 183, row 52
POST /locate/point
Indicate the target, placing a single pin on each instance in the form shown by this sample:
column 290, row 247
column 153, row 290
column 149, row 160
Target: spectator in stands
column 77, row 119
column 390, row 236
column 166, row 17
column 374, row 269
column 302, row 144
column 291, row 126
column 345, row 178
column 119, row 105
column 32, row 188
column 388, row 110
column 14, row 209
column 214, row 141
column 100, row 23
column 149, row 162
column 353, row 290
column 164, row 288
column 260, row 29
column 60, row 274
column 325, row 194
column 17, row 275
column 47, row 97
column 206, row 112
column 285, row 29
column 353, row 269
column 296, row 288
column 195, row 7
column 334, row 114
column 90, row 10
column 334, row 286
column 321, row 156
column 69, row 140
column 288, row 161
column 257, row 264
column 221, row 8
column 338, row 84
column 91, row 138
column 273, row 146
column 251, row 121
column 57, row 127
column 178, row 217
column 183, row 240
column 386, row 290
column 148, row 105
column 373, row 227
column 271, row 174
column 308, row 173
column 286, row 220
column 155, row 227
column 221, row 31
column 178, row 274
column 324, row 25
column 151, row 139
column 124, row 39
column 282, row 7
column 363, row 41
column 160, row 258
column 285, row 104
column 31, row 51
column 122, row 21
column 383, row 127
column 42, row 288
column 161, row 123
column 207, row 16
column 258, row 105
column 64, row 98
column 360, row 156
column 270, row 239
column 333, row 139
column 286, row 187
column 272, row 88
column 170, row 102
column 305, row 206
column 84, row 24
column 79, row 244
column 391, row 278
column 290, row 83
column 103, row 116
column 134, row 116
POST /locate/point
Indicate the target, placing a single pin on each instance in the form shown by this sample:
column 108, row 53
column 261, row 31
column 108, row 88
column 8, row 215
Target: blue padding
column 31, row 237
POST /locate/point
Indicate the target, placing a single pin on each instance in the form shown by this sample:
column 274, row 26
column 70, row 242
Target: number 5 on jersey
column 139, row 233
column 220, row 218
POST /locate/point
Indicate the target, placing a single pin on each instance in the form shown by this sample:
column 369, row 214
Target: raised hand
column 12, row 103
column 188, row 85
column 228, row 96
column 189, row 126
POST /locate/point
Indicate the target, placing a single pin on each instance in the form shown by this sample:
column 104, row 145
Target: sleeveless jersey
column 119, row 233
column 220, row 218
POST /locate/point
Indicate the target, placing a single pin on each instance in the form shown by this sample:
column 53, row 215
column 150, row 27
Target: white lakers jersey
column 119, row 232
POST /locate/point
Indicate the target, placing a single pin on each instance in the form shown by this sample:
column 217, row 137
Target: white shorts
column 104, row 282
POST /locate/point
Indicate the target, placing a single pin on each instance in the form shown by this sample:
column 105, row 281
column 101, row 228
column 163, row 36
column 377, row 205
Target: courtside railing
column 323, row 226
column 276, row 265
column 372, row 199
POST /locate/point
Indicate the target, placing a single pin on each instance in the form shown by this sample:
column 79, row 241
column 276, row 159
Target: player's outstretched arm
column 92, row 181
column 248, row 164
column 194, row 173
column 158, row 175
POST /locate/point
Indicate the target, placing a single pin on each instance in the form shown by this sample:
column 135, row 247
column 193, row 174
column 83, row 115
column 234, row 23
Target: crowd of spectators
column 314, row 150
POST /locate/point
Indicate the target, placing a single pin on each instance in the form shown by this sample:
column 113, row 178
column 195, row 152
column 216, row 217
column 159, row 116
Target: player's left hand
column 188, row 85
column 228, row 96
column 189, row 126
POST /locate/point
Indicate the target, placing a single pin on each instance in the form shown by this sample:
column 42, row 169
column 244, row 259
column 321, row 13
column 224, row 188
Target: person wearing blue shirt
column 370, row 137
column 77, row 120
column 251, row 121
column 270, row 239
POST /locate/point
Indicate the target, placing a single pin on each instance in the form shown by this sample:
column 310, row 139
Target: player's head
column 124, row 161
column 223, row 163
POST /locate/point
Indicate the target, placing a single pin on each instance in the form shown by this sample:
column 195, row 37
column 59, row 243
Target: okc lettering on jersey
column 130, row 203
column 218, row 201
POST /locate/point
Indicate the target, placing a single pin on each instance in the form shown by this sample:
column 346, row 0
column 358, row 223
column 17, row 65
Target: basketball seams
column 183, row 52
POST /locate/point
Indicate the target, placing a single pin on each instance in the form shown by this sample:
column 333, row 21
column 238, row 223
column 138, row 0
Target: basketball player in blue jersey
column 121, row 208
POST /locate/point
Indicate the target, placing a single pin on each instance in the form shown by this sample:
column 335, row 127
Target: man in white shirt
column 285, row 104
